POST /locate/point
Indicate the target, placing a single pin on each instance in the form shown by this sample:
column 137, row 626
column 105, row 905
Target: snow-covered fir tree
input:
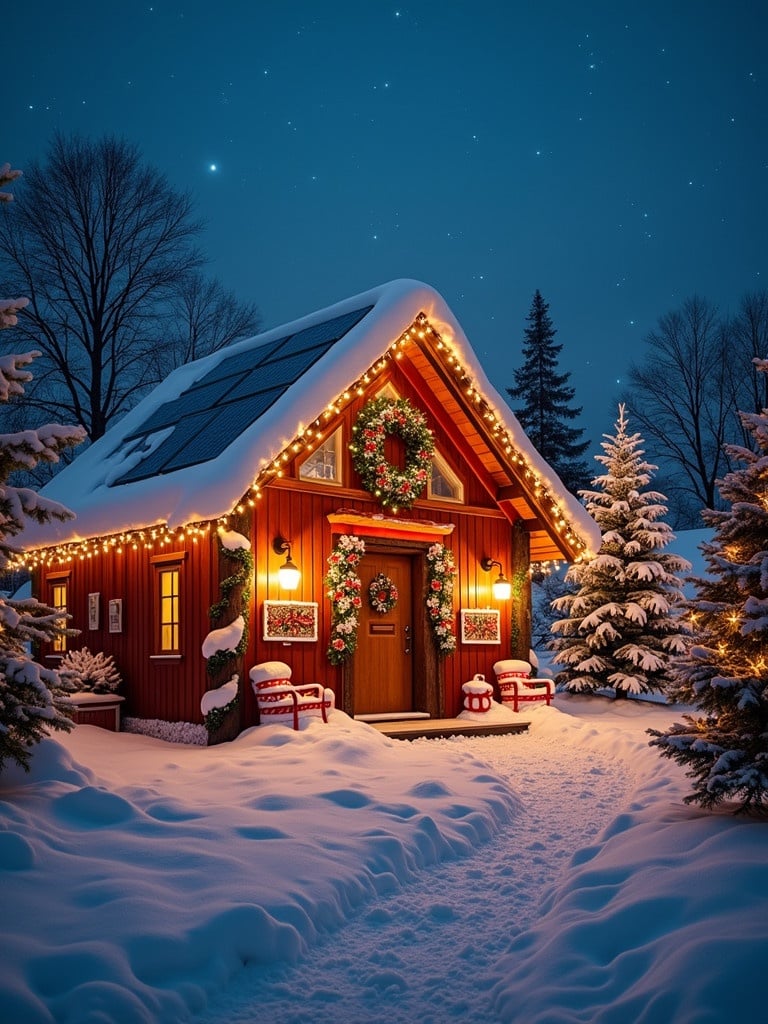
column 725, row 673
column 623, row 627
column 30, row 700
column 543, row 400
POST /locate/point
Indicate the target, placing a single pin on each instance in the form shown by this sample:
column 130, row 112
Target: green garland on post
column 215, row 717
column 241, row 578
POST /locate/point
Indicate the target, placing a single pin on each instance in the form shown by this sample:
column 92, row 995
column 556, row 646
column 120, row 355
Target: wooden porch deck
column 438, row 728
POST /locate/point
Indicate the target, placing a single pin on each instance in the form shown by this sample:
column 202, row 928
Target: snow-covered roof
column 93, row 486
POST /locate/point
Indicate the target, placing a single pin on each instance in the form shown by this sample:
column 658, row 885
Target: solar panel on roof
column 228, row 424
column 326, row 332
column 194, row 400
column 241, row 362
column 209, row 415
column 182, row 434
column 279, row 371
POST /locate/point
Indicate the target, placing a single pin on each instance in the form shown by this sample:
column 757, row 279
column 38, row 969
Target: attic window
column 389, row 391
column 443, row 484
column 325, row 461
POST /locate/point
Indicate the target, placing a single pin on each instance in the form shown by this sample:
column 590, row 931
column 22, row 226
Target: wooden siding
column 168, row 689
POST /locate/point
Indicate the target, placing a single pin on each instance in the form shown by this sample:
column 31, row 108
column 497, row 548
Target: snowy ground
column 549, row 877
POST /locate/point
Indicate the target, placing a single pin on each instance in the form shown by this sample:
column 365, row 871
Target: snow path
column 426, row 953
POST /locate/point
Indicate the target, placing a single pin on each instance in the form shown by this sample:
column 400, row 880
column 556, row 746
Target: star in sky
column 573, row 135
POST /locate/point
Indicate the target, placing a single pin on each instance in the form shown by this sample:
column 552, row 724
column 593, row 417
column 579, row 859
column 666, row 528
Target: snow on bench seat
column 279, row 700
column 517, row 687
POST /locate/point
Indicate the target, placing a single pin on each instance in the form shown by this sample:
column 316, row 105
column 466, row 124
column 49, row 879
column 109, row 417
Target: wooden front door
column 383, row 670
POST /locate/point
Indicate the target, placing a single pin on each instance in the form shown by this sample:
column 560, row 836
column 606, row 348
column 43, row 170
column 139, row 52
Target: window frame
column 162, row 566
column 58, row 581
column 440, row 463
column 336, row 438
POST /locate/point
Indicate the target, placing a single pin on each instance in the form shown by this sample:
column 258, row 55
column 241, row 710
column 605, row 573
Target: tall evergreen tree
column 725, row 673
column 622, row 630
column 30, row 698
column 546, row 410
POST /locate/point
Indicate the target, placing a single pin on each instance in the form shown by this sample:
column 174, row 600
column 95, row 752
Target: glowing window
column 325, row 461
column 443, row 483
column 168, row 585
column 59, row 602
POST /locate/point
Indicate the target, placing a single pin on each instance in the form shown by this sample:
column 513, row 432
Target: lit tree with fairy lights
column 725, row 674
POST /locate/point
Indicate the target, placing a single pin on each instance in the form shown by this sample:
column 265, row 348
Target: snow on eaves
column 209, row 490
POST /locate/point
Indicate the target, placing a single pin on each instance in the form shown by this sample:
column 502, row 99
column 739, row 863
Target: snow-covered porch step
column 436, row 728
column 392, row 716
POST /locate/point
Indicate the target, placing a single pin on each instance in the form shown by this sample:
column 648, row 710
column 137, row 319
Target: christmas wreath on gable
column 382, row 416
column 382, row 593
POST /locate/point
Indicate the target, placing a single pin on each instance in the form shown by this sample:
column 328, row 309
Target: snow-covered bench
column 279, row 700
column 517, row 687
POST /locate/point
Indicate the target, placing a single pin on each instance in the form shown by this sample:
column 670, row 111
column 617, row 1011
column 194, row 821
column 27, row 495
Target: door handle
column 407, row 630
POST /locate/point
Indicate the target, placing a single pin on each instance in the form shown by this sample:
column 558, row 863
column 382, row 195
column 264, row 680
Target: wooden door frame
column 428, row 691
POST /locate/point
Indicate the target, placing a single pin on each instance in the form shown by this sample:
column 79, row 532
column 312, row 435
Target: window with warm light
column 168, row 580
column 443, row 484
column 59, row 602
column 168, row 609
column 324, row 463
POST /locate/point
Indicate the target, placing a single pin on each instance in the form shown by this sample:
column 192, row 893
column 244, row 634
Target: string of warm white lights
column 148, row 538
column 420, row 330
column 307, row 438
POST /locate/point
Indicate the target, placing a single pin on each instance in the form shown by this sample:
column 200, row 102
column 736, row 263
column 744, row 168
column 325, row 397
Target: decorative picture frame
column 480, row 626
column 290, row 621
column 116, row 615
column 93, row 611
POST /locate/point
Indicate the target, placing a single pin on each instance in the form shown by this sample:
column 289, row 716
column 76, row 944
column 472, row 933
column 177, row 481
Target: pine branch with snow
column 623, row 628
column 31, row 701
column 725, row 674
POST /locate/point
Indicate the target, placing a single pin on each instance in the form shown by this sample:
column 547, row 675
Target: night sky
column 613, row 155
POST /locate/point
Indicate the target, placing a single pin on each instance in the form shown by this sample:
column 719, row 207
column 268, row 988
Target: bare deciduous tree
column 683, row 399
column 749, row 329
column 105, row 249
column 205, row 317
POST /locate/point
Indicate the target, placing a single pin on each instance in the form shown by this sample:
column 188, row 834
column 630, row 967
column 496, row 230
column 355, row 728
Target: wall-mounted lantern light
column 502, row 588
column 289, row 574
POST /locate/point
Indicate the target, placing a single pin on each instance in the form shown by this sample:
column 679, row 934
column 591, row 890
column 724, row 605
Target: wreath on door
column 382, row 594
column 395, row 488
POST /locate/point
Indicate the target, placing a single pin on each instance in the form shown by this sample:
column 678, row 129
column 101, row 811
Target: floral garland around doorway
column 394, row 488
column 343, row 587
column 382, row 594
column 441, row 571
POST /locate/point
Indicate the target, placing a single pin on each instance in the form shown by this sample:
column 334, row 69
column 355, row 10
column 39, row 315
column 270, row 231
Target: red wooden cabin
column 254, row 441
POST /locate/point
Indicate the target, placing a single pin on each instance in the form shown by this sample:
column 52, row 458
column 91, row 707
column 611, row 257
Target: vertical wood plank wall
column 165, row 689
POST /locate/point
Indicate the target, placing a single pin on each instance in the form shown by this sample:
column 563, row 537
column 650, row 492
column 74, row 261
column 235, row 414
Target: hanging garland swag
column 382, row 594
column 382, row 416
